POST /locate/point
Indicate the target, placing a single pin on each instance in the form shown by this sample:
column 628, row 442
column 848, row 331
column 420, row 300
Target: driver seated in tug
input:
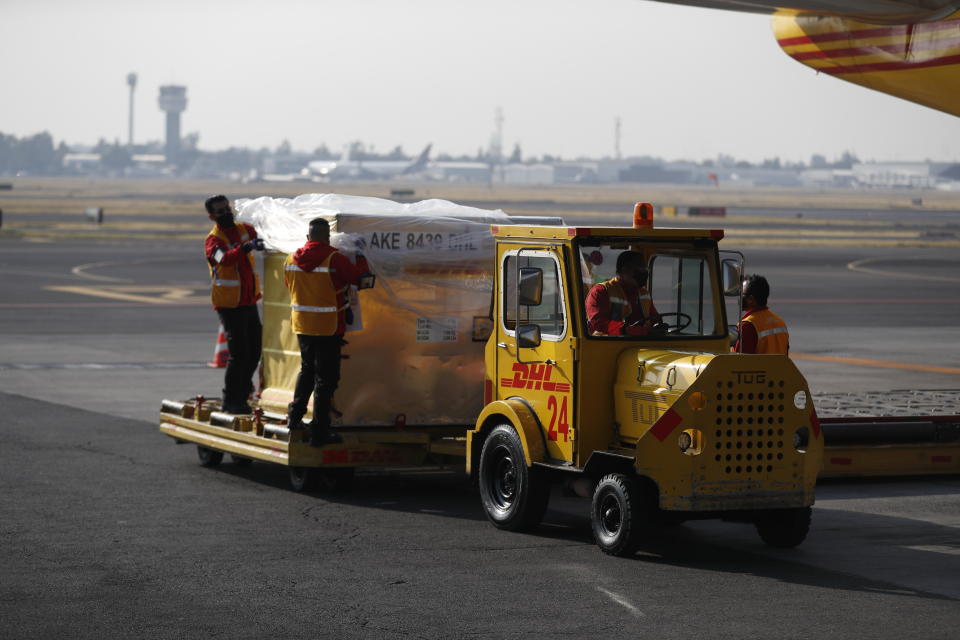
column 622, row 306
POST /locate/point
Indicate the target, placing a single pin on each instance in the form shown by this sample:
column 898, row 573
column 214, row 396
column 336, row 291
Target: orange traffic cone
column 220, row 353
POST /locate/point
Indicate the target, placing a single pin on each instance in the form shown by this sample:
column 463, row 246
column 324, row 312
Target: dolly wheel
column 304, row 479
column 209, row 457
column 240, row 461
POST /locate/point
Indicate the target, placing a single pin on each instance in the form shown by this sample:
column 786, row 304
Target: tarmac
column 110, row 530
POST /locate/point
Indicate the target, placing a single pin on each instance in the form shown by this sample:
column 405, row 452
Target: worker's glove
column 660, row 329
column 258, row 244
column 367, row 280
column 635, row 329
column 248, row 246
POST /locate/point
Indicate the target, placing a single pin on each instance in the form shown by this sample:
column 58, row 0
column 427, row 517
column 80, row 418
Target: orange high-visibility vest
column 772, row 334
column 314, row 308
column 620, row 307
column 225, row 280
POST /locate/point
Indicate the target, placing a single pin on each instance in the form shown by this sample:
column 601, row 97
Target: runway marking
column 95, row 305
column 101, row 366
column 937, row 548
column 864, row 362
column 623, row 602
column 80, row 270
column 156, row 294
column 857, row 265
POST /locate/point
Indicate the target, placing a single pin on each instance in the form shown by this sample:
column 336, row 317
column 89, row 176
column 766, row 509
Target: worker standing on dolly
column 319, row 277
column 622, row 305
column 235, row 289
column 760, row 330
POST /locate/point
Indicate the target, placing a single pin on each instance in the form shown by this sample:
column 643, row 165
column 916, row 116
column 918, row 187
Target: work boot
column 238, row 409
column 320, row 436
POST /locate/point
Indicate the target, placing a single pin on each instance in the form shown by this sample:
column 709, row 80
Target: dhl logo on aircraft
column 534, row 376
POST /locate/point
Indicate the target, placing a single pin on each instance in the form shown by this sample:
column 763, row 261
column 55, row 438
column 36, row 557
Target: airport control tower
column 173, row 100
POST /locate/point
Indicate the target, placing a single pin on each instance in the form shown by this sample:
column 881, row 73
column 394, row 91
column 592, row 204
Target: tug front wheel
column 514, row 495
column 784, row 528
column 621, row 513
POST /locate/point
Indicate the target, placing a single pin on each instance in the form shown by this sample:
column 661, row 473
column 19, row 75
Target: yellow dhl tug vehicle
column 655, row 428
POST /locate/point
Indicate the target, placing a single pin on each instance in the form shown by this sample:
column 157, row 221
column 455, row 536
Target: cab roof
column 566, row 233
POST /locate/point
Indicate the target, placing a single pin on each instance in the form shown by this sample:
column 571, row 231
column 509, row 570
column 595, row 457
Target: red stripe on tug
column 666, row 424
column 815, row 423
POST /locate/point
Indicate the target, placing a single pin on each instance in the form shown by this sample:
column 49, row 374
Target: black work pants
column 244, row 336
column 319, row 375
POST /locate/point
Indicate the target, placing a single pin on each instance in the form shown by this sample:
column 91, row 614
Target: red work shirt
column 234, row 255
column 342, row 272
column 600, row 316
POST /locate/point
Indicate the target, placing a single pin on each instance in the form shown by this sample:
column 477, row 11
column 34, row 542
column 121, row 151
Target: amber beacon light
column 643, row 215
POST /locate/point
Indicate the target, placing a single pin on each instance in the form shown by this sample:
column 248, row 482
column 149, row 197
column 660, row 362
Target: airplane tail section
column 421, row 162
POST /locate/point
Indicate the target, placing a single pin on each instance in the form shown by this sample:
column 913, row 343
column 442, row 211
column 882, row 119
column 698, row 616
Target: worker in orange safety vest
column 319, row 277
column 234, row 291
column 760, row 330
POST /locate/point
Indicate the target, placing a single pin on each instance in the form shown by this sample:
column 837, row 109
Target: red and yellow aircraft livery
column 906, row 48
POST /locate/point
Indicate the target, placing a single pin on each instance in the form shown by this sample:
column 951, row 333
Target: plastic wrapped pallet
column 412, row 346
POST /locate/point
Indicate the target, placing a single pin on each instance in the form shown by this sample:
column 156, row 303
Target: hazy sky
column 687, row 83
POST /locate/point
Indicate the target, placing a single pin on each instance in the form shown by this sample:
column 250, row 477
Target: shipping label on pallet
column 437, row 329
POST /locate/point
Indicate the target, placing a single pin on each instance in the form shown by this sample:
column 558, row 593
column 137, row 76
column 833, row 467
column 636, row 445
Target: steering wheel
column 681, row 317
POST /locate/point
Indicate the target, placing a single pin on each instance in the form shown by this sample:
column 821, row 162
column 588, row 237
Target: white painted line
column 616, row 597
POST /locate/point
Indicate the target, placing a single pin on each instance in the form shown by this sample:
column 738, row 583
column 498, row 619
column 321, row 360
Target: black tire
column 240, row 461
column 335, row 479
column 209, row 457
column 514, row 496
column 621, row 514
column 304, row 479
column 784, row 528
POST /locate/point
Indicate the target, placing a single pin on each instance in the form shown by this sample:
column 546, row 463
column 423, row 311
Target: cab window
column 681, row 283
column 549, row 314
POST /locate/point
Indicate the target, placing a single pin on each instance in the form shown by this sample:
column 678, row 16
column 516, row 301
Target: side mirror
column 531, row 287
column 528, row 336
column 733, row 332
column 731, row 278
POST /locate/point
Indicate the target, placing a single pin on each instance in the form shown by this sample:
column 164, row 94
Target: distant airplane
column 906, row 48
column 347, row 168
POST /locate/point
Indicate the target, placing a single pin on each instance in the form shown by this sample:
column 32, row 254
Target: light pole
column 132, row 83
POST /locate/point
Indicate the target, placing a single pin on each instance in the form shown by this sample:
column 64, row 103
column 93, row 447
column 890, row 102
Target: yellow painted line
column 857, row 265
column 885, row 364
column 818, row 233
column 147, row 294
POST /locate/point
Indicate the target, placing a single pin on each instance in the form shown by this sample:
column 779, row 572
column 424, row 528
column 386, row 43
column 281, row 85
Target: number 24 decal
column 558, row 419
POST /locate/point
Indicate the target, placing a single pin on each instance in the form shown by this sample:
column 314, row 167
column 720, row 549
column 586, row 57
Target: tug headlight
column 690, row 442
column 801, row 438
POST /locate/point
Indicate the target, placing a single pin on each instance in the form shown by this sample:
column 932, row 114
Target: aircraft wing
column 906, row 48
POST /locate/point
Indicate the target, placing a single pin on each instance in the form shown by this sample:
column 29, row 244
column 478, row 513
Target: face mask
column 225, row 219
column 640, row 276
